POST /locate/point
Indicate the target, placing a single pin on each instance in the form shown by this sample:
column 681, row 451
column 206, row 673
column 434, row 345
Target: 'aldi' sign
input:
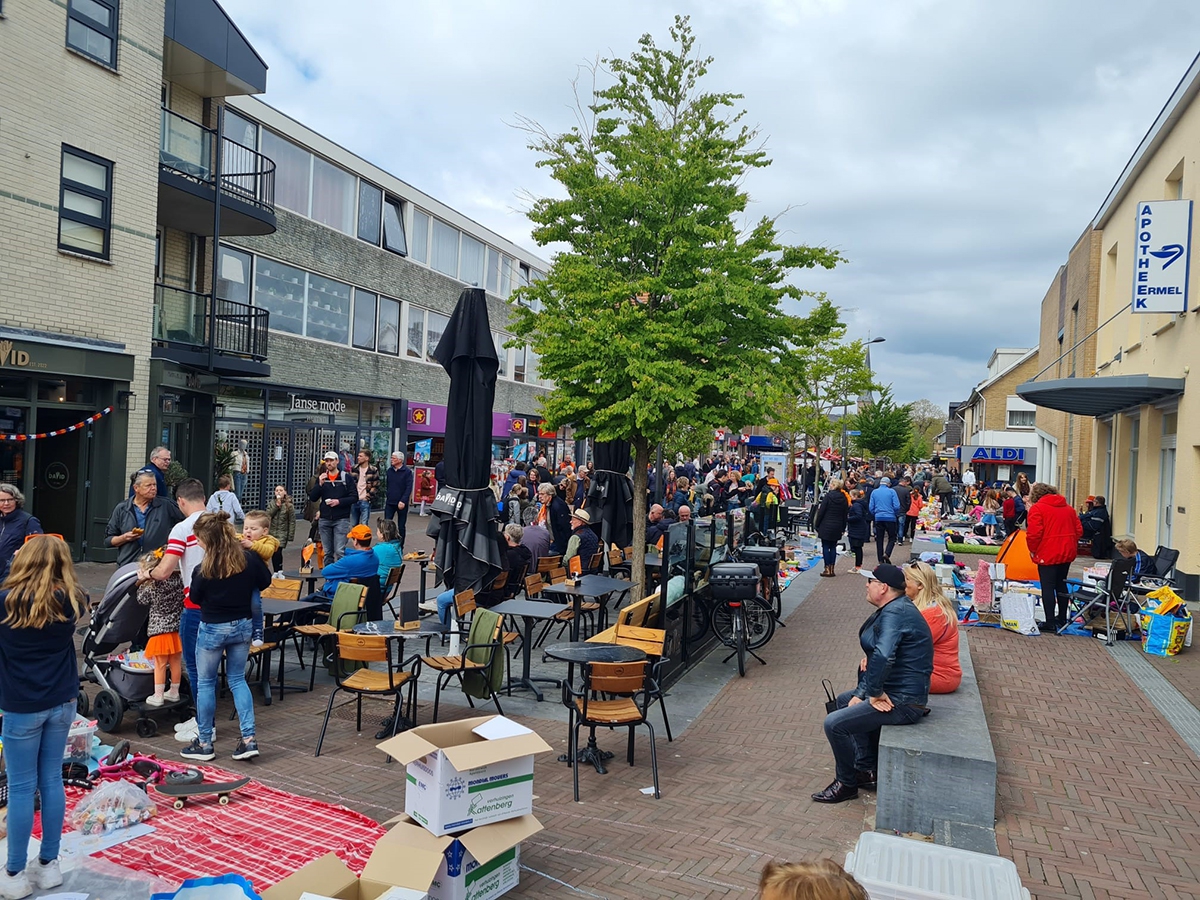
column 999, row 454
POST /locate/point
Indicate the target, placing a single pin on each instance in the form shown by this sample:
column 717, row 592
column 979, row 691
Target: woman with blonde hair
column 222, row 587
column 821, row 879
column 40, row 601
column 941, row 613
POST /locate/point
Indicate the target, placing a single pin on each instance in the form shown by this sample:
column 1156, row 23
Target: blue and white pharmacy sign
column 1162, row 258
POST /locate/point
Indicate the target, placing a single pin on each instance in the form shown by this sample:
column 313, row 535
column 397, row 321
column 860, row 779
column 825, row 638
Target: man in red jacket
column 1053, row 536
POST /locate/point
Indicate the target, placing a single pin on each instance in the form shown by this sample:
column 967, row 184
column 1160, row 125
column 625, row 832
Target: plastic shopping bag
column 1165, row 623
column 1017, row 612
column 221, row 887
column 113, row 805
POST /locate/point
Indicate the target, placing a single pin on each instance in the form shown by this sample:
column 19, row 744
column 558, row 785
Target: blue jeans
column 231, row 640
column 829, row 552
column 239, row 484
column 34, row 744
column 445, row 602
column 853, row 733
column 360, row 513
column 189, row 625
column 333, row 537
column 256, row 618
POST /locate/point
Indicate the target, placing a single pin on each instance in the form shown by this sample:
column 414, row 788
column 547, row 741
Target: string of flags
column 94, row 417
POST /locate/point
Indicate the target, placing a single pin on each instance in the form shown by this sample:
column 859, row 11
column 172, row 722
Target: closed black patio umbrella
column 465, row 519
column 611, row 492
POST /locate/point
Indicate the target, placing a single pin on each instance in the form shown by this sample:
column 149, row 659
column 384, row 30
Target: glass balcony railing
column 187, row 148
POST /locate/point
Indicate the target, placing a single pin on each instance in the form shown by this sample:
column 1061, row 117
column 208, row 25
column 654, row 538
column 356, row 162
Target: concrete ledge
column 942, row 769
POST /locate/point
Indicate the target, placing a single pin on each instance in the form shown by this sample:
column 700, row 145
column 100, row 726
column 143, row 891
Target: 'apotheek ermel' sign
column 309, row 404
column 1162, row 256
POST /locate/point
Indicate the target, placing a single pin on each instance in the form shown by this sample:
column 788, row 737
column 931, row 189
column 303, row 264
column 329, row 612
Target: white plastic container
column 896, row 868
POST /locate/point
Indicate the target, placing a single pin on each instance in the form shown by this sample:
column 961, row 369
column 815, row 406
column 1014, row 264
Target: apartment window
column 393, row 226
column 233, row 275
column 506, row 276
column 519, row 363
column 435, row 327
column 240, row 130
column 1022, row 418
column 444, row 255
column 420, row 236
column 332, row 196
column 370, row 205
column 470, row 267
column 280, row 290
column 389, row 326
column 85, row 203
column 92, row 29
column 502, row 352
column 293, row 171
column 328, row 313
column 416, row 333
column 493, row 271
column 364, row 319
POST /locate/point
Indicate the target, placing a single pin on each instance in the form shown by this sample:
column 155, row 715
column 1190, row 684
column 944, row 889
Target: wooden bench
column 938, row 776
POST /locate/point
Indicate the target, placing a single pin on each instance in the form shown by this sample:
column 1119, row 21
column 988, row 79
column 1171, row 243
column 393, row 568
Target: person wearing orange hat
column 357, row 562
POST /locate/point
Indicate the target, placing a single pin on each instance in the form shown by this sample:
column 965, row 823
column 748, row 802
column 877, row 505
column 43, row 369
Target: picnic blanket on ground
column 264, row 834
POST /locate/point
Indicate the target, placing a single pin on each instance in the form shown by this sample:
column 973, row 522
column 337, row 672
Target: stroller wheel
column 83, row 704
column 146, row 728
column 108, row 709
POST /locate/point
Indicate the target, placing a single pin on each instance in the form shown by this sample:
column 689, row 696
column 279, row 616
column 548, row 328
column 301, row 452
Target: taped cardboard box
column 460, row 775
column 408, row 863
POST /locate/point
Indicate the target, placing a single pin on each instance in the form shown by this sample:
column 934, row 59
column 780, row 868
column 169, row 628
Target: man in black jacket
column 335, row 493
column 558, row 517
column 399, row 491
column 904, row 495
column 893, row 684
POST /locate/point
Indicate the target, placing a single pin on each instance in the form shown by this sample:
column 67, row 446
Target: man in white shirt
column 241, row 467
column 968, row 477
column 184, row 554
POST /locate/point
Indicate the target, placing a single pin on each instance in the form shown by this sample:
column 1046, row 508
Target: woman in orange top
column 921, row 586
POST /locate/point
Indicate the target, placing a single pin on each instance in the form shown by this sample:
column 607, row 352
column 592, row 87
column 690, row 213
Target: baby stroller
column 119, row 619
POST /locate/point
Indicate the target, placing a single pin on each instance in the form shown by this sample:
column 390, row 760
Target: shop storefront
column 181, row 414
column 427, row 433
column 63, row 431
column 1003, row 464
column 287, row 430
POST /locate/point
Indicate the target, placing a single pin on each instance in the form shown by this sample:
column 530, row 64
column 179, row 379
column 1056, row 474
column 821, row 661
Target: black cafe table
column 585, row 652
column 589, row 587
column 277, row 635
column 310, row 578
column 429, row 628
column 530, row 611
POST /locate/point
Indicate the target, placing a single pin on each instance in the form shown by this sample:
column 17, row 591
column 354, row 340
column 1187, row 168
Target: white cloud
column 952, row 149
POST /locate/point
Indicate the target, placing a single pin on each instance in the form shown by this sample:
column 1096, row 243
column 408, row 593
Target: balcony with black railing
column 188, row 164
column 222, row 336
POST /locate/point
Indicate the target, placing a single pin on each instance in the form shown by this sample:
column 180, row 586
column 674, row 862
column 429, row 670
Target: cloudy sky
column 953, row 150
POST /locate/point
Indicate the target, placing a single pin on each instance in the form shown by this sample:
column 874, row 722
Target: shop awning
column 1101, row 396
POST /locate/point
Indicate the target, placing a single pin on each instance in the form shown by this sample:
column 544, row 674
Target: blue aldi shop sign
column 999, row 455
column 1162, row 256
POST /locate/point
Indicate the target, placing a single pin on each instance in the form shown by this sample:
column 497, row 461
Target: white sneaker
column 279, row 575
column 155, row 700
column 189, row 725
column 192, row 733
column 257, row 642
column 44, row 876
column 428, row 606
column 14, row 887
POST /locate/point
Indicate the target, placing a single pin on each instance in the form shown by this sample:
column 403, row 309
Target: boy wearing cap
column 893, row 684
column 583, row 541
column 334, row 493
column 357, row 562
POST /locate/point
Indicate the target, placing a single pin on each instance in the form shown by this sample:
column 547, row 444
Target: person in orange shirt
column 921, row 586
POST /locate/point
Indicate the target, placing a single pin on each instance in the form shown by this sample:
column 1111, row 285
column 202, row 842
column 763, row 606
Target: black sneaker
column 198, row 751
column 246, row 749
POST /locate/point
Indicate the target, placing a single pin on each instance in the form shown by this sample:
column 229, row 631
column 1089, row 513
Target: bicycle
column 741, row 617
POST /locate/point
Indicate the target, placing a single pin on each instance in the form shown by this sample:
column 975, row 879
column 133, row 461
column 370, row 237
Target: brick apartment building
column 998, row 437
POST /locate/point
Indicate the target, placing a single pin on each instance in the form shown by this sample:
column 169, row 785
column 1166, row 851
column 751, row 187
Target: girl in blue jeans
column 39, row 684
column 222, row 587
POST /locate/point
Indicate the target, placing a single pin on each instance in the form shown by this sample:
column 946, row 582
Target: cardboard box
column 408, row 863
column 458, row 779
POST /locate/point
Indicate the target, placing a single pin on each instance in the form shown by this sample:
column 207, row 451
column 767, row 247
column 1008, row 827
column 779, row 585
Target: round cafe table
column 584, row 652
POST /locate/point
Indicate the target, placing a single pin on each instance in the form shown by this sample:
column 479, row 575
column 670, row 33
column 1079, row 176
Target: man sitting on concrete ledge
column 893, row 685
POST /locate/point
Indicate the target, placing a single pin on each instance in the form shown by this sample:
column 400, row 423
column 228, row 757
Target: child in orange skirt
column 164, row 647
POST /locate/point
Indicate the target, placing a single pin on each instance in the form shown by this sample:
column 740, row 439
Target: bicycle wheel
column 722, row 622
column 739, row 639
column 760, row 622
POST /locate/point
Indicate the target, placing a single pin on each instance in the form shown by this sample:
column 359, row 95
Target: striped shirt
column 182, row 543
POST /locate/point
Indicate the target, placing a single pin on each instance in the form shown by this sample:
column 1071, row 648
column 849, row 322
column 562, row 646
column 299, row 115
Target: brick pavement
column 1097, row 796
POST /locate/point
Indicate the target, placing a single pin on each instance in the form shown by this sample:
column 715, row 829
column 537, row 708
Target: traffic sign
column 854, row 433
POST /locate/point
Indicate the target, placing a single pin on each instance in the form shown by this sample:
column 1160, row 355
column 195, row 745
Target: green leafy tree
column 885, row 428
column 689, row 440
column 821, row 373
column 658, row 310
column 928, row 419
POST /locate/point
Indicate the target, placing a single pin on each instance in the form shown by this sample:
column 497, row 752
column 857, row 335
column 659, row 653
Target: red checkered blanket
column 263, row 834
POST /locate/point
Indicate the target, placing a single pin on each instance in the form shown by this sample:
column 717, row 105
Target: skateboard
column 181, row 792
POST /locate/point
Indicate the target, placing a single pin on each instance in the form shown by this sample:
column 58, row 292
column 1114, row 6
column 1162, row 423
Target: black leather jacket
column 899, row 650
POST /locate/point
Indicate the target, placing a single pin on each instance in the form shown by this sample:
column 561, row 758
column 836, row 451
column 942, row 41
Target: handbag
column 830, row 696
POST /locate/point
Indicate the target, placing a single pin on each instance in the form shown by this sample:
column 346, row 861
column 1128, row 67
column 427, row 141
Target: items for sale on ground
column 1165, row 622
column 113, row 805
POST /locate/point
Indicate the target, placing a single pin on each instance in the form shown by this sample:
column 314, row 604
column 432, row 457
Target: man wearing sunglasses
column 15, row 524
column 893, row 684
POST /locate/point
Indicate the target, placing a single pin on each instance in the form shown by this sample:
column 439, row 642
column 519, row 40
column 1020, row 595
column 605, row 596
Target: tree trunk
column 641, row 488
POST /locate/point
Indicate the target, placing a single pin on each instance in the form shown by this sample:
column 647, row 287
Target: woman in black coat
column 858, row 526
column 830, row 523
